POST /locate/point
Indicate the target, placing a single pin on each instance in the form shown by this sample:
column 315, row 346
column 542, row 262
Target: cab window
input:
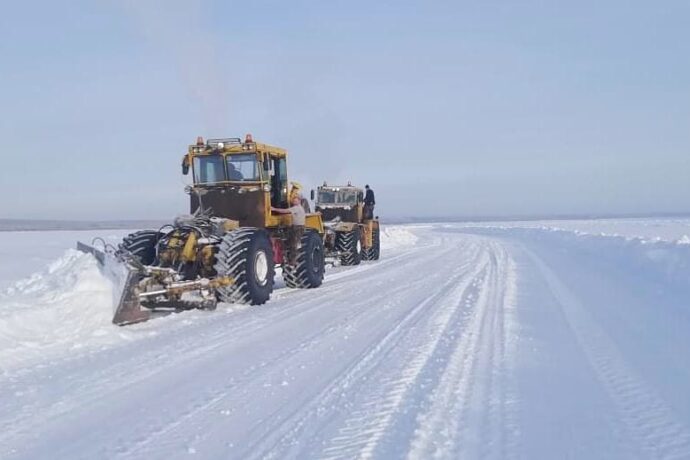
column 209, row 169
column 326, row 197
column 244, row 167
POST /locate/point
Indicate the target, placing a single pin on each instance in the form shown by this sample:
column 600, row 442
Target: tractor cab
column 344, row 202
column 237, row 179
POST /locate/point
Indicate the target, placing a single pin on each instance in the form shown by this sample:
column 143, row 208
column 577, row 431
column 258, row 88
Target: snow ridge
column 70, row 302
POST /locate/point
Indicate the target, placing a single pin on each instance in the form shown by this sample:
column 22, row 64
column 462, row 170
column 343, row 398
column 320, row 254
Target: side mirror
column 312, row 194
column 185, row 166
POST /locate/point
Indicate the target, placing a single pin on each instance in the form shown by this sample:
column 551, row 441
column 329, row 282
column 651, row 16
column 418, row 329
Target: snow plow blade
column 128, row 309
column 142, row 290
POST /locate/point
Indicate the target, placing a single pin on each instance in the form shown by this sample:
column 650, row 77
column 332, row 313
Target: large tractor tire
column 309, row 269
column 374, row 251
column 142, row 245
column 377, row 244
column 350, row 247
column 246, row 255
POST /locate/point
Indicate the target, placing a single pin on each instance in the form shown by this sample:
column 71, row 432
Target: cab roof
column 233, row 145
column 339, row 187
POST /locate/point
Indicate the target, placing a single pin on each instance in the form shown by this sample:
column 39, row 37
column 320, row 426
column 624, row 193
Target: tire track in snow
column 452, row 425
column 358, row 373
column 212, row 400
column 648, row 420
column 364, row 429
column 498, row 433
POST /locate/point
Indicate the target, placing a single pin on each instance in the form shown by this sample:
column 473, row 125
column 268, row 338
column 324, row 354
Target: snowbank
column 665, row 262
column 671, row 230
column 396, row 237
column 62, row 307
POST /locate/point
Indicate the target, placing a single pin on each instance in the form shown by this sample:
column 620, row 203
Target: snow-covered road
column 459, row 343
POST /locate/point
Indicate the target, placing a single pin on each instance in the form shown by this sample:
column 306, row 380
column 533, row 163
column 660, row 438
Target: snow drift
column 396, row 237
column 664, row 262
column 62, row 306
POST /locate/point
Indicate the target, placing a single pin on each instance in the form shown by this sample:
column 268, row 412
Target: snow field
column 664, row 261
column 653, row 230
column 463, row 341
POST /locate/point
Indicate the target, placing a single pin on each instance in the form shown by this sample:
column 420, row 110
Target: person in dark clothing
column 233, row 173
column 369, row 203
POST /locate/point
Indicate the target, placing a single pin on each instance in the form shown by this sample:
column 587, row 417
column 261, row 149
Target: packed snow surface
column 502, row 340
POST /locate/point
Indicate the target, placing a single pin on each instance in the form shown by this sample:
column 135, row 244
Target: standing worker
column 296, row 230
column 369, row 203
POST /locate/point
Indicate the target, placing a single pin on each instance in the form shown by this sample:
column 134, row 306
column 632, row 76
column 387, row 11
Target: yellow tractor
column 350, row 235
column 227, row 248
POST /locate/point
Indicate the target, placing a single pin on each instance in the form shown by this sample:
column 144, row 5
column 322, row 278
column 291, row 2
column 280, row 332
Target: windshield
column 243, row 167
column 209, row 169
column 338, row 196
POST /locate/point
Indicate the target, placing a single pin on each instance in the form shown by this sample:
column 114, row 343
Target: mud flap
column 125, row 281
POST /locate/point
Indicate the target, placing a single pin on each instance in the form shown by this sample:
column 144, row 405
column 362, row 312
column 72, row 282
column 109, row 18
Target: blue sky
column 445, row 108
